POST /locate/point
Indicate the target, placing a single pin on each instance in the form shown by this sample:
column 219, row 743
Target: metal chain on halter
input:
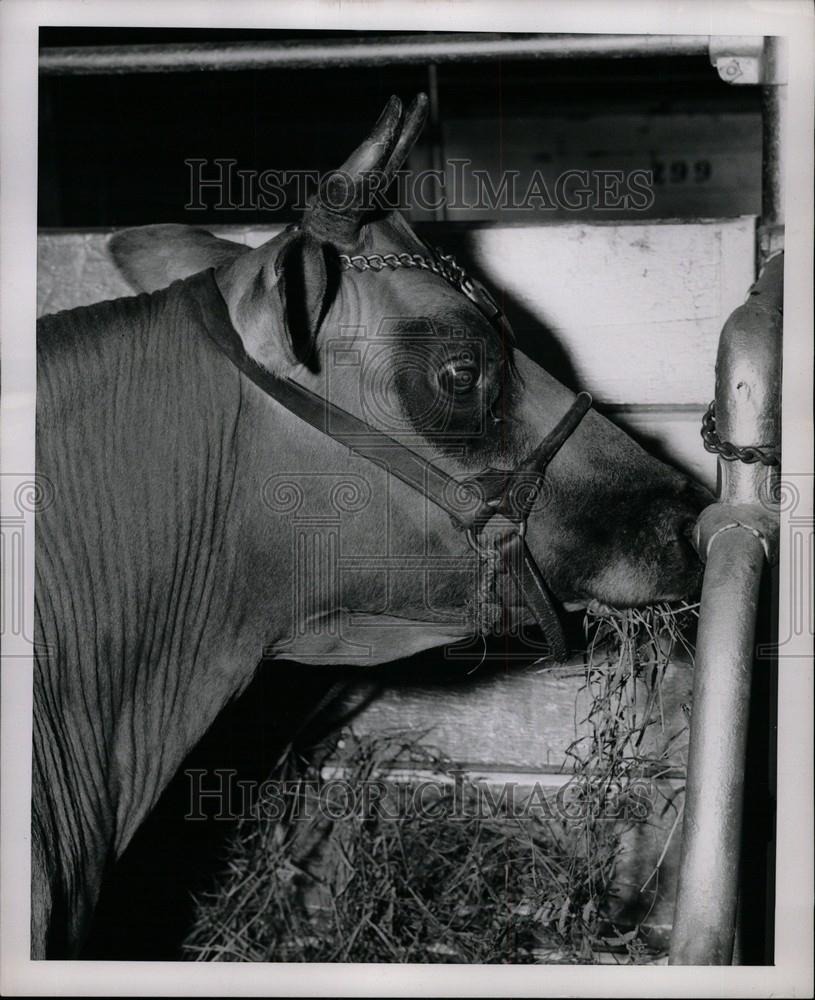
column 764, row 453
column 443, row 264
column 437, row 262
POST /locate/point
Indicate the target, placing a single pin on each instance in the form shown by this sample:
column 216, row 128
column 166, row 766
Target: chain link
column 442, row 264
column 437, row 262
column 765, row 453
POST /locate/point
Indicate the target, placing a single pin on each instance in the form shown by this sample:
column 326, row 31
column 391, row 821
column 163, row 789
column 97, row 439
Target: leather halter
column 472, row 503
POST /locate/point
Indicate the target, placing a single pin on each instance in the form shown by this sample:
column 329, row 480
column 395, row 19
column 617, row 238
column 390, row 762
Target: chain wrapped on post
column 767, row 454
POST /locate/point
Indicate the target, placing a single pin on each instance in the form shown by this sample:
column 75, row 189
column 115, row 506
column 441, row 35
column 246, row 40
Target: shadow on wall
column 535, row 337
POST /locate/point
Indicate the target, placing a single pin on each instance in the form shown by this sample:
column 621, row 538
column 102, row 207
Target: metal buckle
column 480, row 296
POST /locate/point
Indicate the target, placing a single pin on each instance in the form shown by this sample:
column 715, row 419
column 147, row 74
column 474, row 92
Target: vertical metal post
column 735, row 537
column 748, row 61
column 773, row 145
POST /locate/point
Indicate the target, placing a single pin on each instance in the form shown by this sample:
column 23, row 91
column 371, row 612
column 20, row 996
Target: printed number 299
column 680, row 171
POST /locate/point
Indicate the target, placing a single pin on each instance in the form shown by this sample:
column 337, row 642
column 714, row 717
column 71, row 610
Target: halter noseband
column 471, row 503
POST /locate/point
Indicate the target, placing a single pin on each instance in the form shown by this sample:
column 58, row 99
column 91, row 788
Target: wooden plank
column 74, row 269
column 523, row 720
column 631, row 312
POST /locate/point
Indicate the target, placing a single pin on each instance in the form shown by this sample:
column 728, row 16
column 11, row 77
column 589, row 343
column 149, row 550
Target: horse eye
column 459, row 376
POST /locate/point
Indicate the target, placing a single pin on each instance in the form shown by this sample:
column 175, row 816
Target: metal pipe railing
column 365, row 51
column 773, row 142
column 735, row 537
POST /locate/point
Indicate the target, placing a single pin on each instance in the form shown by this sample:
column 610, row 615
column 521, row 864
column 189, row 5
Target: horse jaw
column 355, row 639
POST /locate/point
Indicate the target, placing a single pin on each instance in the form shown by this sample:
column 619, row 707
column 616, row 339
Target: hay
column 391, row 878
column 628, row 651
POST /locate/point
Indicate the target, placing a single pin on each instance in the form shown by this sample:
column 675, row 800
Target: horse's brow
column 446, row 320
column 449, row 324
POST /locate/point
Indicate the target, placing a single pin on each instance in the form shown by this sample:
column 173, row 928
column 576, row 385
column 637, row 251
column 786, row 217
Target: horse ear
column 151, row 257
column 278, row 296
column 303, row 285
